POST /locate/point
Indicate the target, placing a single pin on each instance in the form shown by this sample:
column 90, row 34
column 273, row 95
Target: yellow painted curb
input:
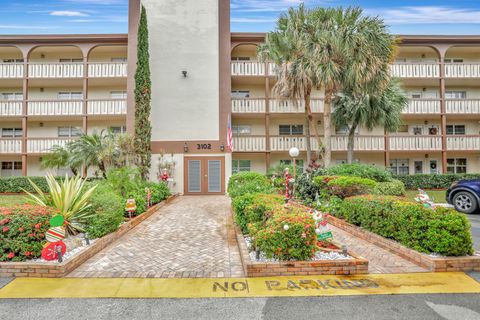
column 241, row 287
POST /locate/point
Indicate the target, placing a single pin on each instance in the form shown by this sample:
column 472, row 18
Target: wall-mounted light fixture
column 222, row 147
column 42, row 56
column 425, row 122
column 185, row 73
column 41, row 124
column 185, row 147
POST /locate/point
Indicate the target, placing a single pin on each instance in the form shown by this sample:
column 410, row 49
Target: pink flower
column 5, row 229
column 11, row 255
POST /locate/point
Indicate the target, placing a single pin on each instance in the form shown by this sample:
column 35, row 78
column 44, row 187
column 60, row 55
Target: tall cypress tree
column 143, row 86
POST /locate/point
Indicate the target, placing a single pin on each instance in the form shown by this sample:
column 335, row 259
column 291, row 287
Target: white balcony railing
column 107, row 70
column 463, row 106
column 11, row 70
column 287, row 106
column 463, row 143
column 362, row 143
column 248, row 105
column 55, row 108
column 10, row 108
column 107, row 107
column 55, row 70
column 272, row 69
column 10, row 146
column 249, row 144
column 413, row 143
column 415, row 70
column 285, row 143
column 248, row 68
column 422, row 106
column 462, row 70
column 39, row 145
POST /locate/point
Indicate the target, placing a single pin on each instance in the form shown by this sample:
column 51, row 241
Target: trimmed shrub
column 21, row 184
column 239, row 205
column 289, row 235
column 393, row 188
column 158, row 191
column 433, row 181
column 344, row 187
column 442, row 231
column 22, row 231
column 107, row 209
column 367, row 171
column 249, row 182
column 255, row 209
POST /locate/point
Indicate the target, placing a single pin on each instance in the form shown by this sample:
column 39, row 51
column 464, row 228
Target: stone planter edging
column 251, row 268
column 435, row 264
column 59, row 270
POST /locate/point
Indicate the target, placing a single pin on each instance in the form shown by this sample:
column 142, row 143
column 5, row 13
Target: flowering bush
column 22, row 231
column 255, row 208
column 289, row 235
column 249, row 182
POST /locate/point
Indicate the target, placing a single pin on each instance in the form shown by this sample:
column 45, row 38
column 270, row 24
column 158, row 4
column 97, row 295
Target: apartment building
column 54, row 88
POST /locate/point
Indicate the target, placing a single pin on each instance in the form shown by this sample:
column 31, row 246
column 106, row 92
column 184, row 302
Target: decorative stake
column 344, row 250
column 59, row 253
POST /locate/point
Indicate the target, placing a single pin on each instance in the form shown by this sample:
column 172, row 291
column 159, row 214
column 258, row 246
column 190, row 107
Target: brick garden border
column 60, row 270
column 251, row 268
column 435, row 264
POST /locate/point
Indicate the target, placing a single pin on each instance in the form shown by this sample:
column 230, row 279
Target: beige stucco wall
column 184, row 35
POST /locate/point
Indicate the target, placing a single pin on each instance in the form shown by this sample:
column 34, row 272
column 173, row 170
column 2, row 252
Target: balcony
column 462, row 70
column 423, row 106
column 55, row 108
column 415, row 70
column 247, row 68
column 107, row 107
column 463, row 106
column 11, row 70
column 10, row 146
column 248, row 105
column 107, row 70
column 44, row 145
column 415, row 143
column 463, row 143
column 285, row 143
column 55, row 70
column 249, row 144
column 10, row 108
column 286, row 106
column 362, row 143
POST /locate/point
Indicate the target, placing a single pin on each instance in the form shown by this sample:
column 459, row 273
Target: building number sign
column 204, row 146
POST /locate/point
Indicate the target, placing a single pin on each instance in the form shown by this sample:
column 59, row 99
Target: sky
column 111, row 16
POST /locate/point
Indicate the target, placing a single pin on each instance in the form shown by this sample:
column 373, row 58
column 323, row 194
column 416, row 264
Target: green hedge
column 367, row 171
column 249, row 182
column 433, row 181
column 19, row 184
column 442, row 231
column 393, row 188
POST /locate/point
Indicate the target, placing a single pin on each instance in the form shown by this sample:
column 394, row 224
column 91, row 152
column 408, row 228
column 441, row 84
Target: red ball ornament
column 50, row 253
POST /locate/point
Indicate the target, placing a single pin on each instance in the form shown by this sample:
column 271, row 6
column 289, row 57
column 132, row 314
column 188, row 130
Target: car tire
column 465, row 202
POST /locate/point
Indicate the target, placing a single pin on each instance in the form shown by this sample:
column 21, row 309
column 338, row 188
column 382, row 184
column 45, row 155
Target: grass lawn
column 11, row 200
column 438, row 196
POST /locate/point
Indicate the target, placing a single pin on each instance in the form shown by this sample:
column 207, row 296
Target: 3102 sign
column 204, row 146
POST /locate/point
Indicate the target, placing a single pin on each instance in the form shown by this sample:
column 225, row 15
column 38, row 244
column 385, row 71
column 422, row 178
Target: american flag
column 229, row 135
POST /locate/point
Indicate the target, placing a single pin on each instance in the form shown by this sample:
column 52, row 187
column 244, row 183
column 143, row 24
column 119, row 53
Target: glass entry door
column 204, row 175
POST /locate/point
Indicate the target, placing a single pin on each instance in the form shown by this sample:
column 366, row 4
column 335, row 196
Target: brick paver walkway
column 379, row 259
column 190, row 237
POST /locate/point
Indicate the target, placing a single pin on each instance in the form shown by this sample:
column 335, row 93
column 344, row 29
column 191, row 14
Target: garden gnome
column 164, row 176
column 287, row 177
column 55, row 246
column 130, row 206
column 423, row 198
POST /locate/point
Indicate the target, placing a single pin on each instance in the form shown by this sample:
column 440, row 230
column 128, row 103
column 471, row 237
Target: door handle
column 206, row 176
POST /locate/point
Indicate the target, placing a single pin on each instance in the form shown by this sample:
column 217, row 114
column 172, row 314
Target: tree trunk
column 307, row 135
column 351, row 144
column 327, row 153
column 309, row 115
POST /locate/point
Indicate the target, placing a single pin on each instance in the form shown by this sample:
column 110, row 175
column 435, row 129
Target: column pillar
column 267, row 118
column 25, row 116
column 85, row 95
column 443, row 111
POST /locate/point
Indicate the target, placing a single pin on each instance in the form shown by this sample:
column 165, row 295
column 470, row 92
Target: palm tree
column 295, row 72
column 60, row 157
column 369, row 110
column 350, row 51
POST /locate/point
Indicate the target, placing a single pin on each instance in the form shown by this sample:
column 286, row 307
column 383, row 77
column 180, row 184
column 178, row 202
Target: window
column 241, row 165
column 400, row 166
column 417, row 131
column 118, row 130
column 456, row 129
column 239, row 94
column 415, row 95
column 118, row 94
column 11, row 168
column 402, row 128
column 457, row 165
column 241, row 130
column 70, row 60
column 455, row 94
column 12, row 132
column 13, row 60
column 453, row 60
column 12, row 96
column 290, row 129
column 68, row 132
column 344, row 130
column 70, row 95
column 121, row 59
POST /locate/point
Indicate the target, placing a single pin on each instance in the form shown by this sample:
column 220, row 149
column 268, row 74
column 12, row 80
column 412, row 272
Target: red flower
column 31, row 234
column 11, row 255
column 5, row 229
column 38, row 225
column 21, row 229
column 41, row 235
column 28, row 254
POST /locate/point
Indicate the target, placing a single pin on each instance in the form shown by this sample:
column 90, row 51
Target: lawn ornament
column 54, row 237
column 130, row 206
column 288, row 180
column 423, row 198
column 164, row 176
column 50, row 252
column 321, row 226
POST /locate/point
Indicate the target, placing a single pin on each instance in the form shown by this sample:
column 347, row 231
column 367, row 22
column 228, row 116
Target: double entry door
column 204, row 175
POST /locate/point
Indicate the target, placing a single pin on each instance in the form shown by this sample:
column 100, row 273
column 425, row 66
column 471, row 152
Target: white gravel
column 72, row 250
